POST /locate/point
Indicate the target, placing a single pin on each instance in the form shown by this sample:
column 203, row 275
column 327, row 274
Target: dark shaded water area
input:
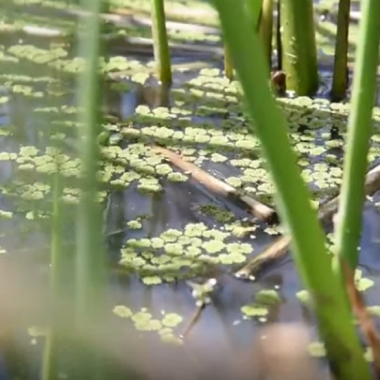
column 41, row 105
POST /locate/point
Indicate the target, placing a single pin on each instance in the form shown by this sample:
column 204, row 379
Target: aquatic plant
column 299, row 217
column 266, row 28
column 340, row 75
column 90, row 258
column 161, row 44
column 299, row 58
column 359, row 133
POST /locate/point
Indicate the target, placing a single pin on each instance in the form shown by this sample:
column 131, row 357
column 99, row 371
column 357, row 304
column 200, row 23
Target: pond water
column 163, row 229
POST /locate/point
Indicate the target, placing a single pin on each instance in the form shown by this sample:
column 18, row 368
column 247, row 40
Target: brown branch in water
column 279, row 247
column 371, row 185
column 260, row 210
column 193, row 320
column 274, row 251
column 365, row 321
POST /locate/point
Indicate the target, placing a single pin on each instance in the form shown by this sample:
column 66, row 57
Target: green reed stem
column 299, row 57
column 161, row 43
column 266, row 28
column 278, row 36
column 308, row 242
column 359, row 133
column 90, row 263
column 340, row 78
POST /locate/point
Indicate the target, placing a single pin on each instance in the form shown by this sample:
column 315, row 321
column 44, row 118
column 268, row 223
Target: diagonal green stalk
column 340, row 77
column 90, row 263
column 311, row 258
column 161, row 43
column 359, row 133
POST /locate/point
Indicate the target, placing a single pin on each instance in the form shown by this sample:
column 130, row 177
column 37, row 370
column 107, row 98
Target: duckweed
column 362, row 283
column 254, row 310
column 144, row 321
column 182, row 253
column 317, row 349
column 267, row 297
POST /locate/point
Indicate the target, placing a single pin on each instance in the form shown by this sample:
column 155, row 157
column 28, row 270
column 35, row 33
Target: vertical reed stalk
column 278, row 36
column 299, row 58
column 359, row 133
column 340, row 77
column 313, row 263
column 161, row 44
column 90, row 263
column 266, row 28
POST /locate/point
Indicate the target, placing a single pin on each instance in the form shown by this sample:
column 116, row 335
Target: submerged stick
column 259, row 210
column 275, row 251
column 193, row 320
column 280, row 246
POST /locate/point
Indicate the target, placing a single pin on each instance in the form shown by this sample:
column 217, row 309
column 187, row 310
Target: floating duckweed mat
column 144, row 321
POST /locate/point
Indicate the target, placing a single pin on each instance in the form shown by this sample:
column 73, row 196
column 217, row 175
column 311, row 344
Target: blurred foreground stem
column 313, row 263
column 59, row 276
column 90, row 264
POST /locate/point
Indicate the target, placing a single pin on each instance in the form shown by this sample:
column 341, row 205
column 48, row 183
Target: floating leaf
column 172, row 320
column 254, row 310
column 122, row 311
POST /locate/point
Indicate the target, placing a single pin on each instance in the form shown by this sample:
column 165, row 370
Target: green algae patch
column 144, row 321
column 317, row 349
column 254, row 310
column 182, row 254
column 362, row 283
column 216, row 212
column 264, row 299
column 304, row 297
column 267, row 297
column 374, row 310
